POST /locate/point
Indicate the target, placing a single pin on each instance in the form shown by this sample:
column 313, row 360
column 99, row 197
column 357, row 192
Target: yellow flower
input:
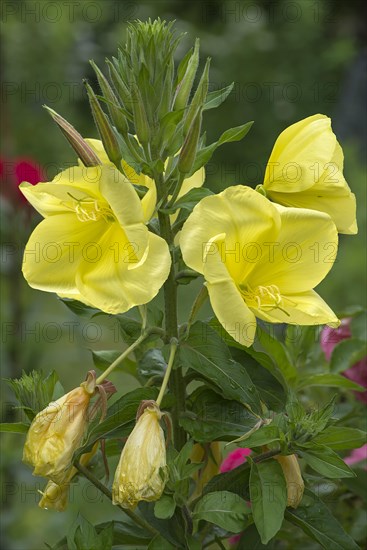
column 141, row 471
column 55, row 497
column 93, row 244
column 305, row 170
column 56, row 432
column 260, row 259
column 293, row 477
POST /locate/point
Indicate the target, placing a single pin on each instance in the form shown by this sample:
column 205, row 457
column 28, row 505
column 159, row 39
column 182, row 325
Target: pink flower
column 234, row 459
column 13, row 172
column 358, row 372
column 357, row 455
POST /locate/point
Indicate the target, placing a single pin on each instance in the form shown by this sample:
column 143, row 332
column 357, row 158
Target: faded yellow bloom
column 293, row 477
column 57, row 431
column 55, row 497
column 141, row 472
column 258, row 260
column 305, row 170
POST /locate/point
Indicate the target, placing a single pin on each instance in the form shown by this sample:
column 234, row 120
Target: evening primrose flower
column 293, row 478
column 305, row 170
column 57, row 431
column 93, row 245
column 141, row 472
column 260, row 260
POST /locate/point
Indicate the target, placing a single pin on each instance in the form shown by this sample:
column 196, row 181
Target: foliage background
column 289, row 59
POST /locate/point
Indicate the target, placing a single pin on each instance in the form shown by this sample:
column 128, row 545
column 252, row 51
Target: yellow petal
column 247, row 218
column 302, row 253
column 226, row 300
column 299, row 151
column 109, row 285
column 196, row 180
column 55, row 250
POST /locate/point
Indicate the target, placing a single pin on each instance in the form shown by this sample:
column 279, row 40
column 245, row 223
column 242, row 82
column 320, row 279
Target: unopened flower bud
column 57, row 431
column 141, row 472
column 293, row 477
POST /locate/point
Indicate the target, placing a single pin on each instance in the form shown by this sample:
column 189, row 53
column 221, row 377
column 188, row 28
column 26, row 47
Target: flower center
column 88, row 209
column 263, row 297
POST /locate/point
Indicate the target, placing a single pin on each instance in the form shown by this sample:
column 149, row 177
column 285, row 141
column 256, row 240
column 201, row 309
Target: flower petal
column 246, row 218
column 109, row 285
column 55, row 249
column 302, row 254
column 300, row 150
column 227, row 302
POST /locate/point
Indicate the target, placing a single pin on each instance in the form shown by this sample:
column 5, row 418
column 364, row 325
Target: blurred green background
column 289, row 60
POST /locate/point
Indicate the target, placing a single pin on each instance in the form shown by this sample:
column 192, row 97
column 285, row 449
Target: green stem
column 123, row 356
column 137, row 519
column 171, row 360
column 176, row 382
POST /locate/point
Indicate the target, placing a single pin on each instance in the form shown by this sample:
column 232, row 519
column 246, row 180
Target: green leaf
column 250, row 540
column 268, row 494
column 276, row 360
column 14, row 427
column 316, row 520
column 127, row 532
column 263, row 436
column 328, row 379
column 235, row 134
column 217, row 97
column 81, row 310
column 212, row 417
column 325, row 461
column 152, row 365
column 222, row 508
column 172, row 529
column 347, row 353
column 190, row 199
column 82, row 535
column 358, row 326
column 205, row 353
column 339, row 438
column 235, row 481
column 164, row 507
column 358, row 484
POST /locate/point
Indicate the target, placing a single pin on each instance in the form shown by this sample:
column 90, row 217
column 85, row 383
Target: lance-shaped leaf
column 112, row 103
column 223, row 508
column 121, row 89
column 108, row 136
column 140, row 116
column 316, row 520
column 268, row 494
column 216, row 98
column 80, row 146
column 325, row 461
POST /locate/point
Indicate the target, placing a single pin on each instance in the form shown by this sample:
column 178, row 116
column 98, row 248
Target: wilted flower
column 57, row 431
column 305, row 169
column 330, row 337
column 210, row 454
column 93, row 245
column 55, row 497
column 293, row 478
column 141, row 472
column 258, row 260
column 234, row 459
